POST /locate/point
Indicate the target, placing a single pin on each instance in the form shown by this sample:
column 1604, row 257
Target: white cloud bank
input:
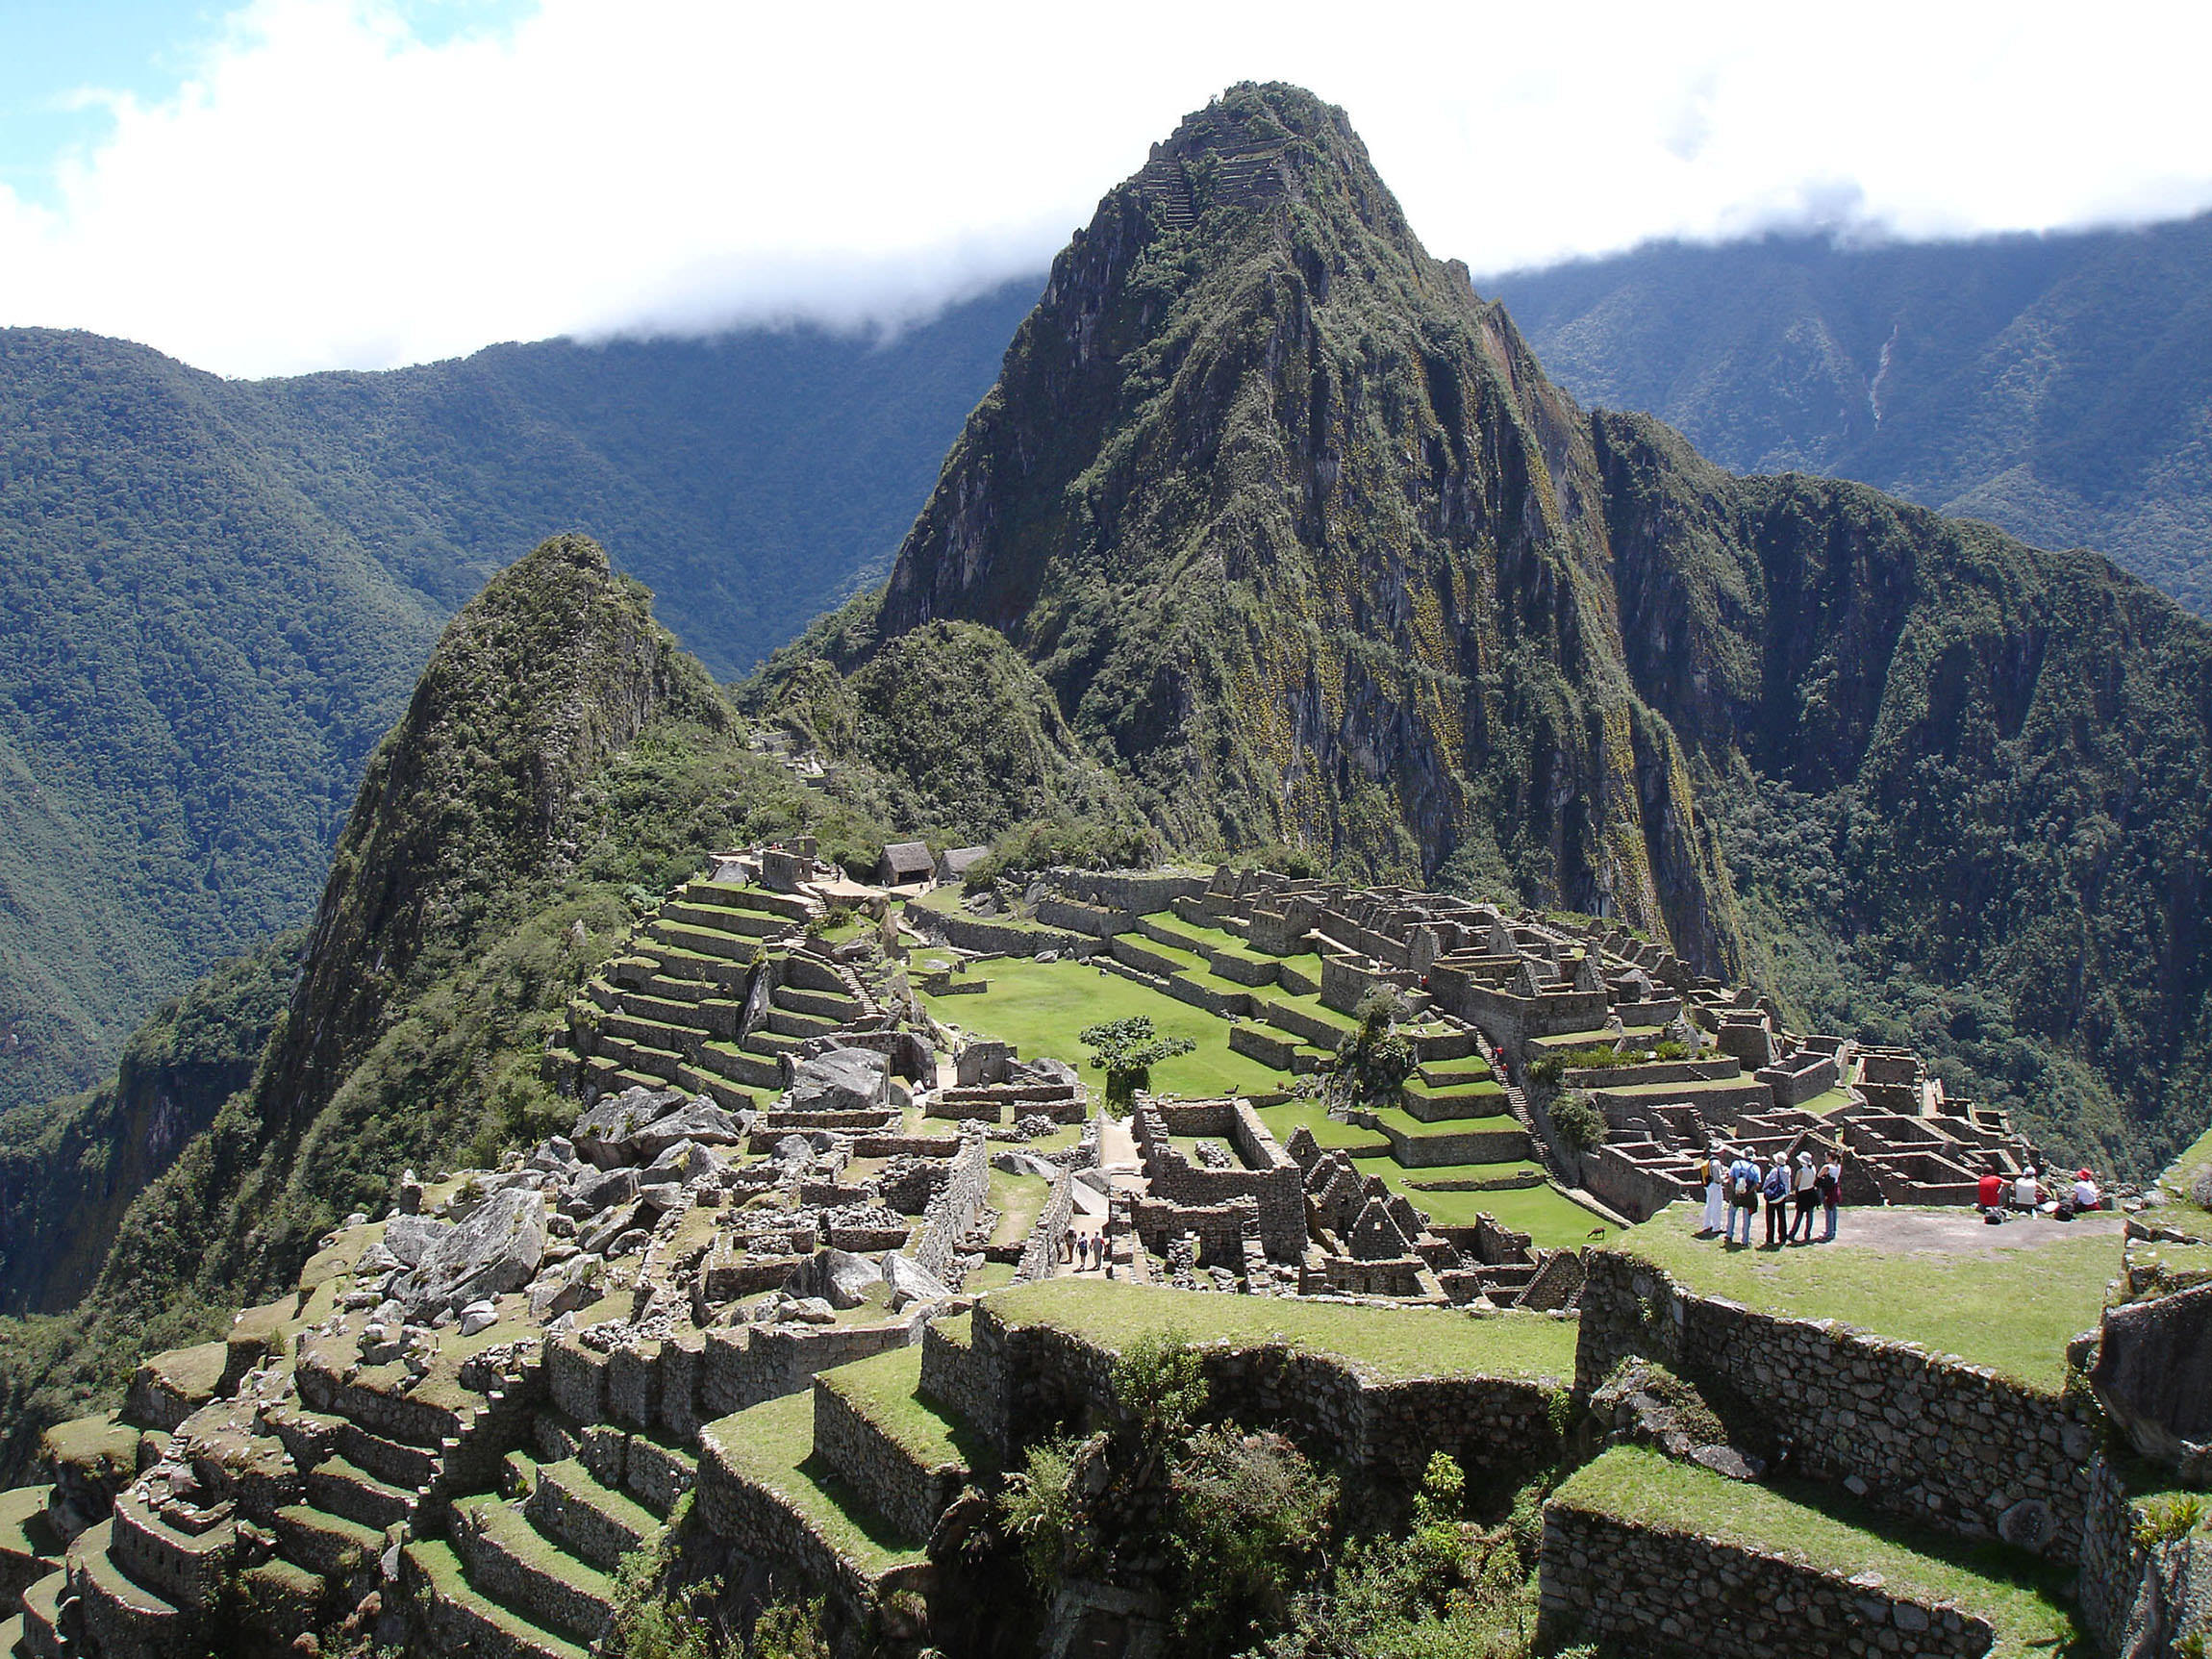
column 328, row 192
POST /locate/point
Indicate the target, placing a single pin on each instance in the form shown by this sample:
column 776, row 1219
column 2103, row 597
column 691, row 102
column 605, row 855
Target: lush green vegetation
column 68, row 1171
column 1907, row 365
column 215, row 595
column 1248, row 1541
column 2012, row 1309
column 561, row 764
column 1126, row 1049
column 1638, row 1484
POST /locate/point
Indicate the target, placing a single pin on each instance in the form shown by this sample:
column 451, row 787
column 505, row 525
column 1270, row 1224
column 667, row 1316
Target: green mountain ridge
column 2059, row 387
column 214, row 596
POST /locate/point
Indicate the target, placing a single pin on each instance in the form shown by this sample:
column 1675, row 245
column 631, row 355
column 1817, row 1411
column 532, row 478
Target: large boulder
column 839, row 1080
column 697, row 1119
column 496, row 1250
column 911, row 1282
column 2154, row 1375
column 837, row 1276
column 411, row 1237
column 606, row 1131
column 1017, row 1163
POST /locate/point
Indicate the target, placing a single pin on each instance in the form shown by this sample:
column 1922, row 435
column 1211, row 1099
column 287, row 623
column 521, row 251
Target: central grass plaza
column 1040, row 1007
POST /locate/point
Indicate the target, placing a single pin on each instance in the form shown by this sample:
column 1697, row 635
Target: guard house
column 906, row 863
column 955, row 861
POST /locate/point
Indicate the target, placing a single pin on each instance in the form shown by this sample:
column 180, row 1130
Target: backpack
column 1778, row 1187
column 1744, row 1189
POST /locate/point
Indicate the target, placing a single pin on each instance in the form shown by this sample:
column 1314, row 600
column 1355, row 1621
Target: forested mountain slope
column 214, row 596
column 2059, row 387
column 1308, row 548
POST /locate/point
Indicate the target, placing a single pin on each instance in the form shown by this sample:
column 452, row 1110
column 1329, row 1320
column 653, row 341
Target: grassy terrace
column 883, row 1389
column 2007, row 1589
column 1552, row 1221
column 1017, row 1199
column 2011, row 1309
column 1395, row 1343
column 1040, row 1006
column 1646, row 1034
column 1287, row 1119
column 772, row 1444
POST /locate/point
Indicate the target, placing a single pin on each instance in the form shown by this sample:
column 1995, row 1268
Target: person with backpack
column 1742, row 1195
column 1802, row 1190
column 1776, row 1189
column 1716, row 1192
column 1831, row 1190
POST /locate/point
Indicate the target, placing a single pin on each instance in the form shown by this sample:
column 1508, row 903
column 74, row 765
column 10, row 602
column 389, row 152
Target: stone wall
column 953, row 1210
column 1074, row 915
column 1650, row 1592
column 966, row 1380
column 677, row 1385
column 1951, row 1446
column 1139, row 891
column 1047, row 1377
column 991, row 937
column 1042, row 1249
column 907, row 1495
column 1623, row 1184
column 734, row 1506
column 2144, row 1600
column 1268, row 1177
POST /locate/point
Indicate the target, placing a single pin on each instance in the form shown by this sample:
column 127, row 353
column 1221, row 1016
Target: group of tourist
column 1791, row 1192
column 1086, row 1250
column 2025, row 1194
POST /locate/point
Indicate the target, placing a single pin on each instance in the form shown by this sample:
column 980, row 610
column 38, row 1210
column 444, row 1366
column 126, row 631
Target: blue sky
column 54, row 51
column 278, row 185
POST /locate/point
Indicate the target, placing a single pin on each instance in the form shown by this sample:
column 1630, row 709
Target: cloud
column 327, row 189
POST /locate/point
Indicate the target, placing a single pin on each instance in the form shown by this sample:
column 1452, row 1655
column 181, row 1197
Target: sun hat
column 1804, row 1157
column 2085, row 1175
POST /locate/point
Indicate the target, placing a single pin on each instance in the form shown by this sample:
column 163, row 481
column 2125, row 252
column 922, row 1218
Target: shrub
column 1037, row 1509
column 1578, row 1120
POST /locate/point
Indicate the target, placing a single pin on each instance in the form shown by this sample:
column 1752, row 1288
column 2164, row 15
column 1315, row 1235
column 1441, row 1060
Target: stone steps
column 509, row 1562
column 834, row 1006
column 338, row 1487
column 30, row 1544
column 456, row 1617
column 586, row 1518
column 649, row 1034
column 742, row 1066
column 755, row 925
column 409, row 1468
column 43, row 1616
column 327, row 1544
column 118, row 1615
column 672, row 962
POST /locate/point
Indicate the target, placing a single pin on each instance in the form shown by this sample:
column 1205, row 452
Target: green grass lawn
column 1825, row 1102
column 1040, row 1006
column 1017, row 1199
column 1648, row 1034
column 2013, row 1592
column 1552, row 1221
column 2012, row 1310
column 2181, row 1175
column 1394, row 1343
column 1285, row 1119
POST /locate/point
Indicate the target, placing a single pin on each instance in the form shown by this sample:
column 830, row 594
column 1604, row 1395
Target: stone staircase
column 717, row 988
column 529, row 1569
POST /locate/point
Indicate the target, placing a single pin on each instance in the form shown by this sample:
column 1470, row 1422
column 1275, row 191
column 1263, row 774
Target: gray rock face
column 2201, row 1190
column 837, row 1276
column 410, row 1237
column 598, row 1190
column 606, row 1132
column 2154, row 1375
column 911, row 1282
column 697, row 1119
column 497, row 1250
column 841, row 1080
column 1012, row 1162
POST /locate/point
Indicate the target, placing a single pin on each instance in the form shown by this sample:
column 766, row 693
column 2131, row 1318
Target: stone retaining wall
column 1268, row 1176
column 1041, row 1250
column 1656, row 1593
column 953, row 1210
column 1949, row 1445
column 1047, row 1377
column 965, row 1380
column 734, row 1507
column 905, row 1494
column 973, row 933
column 1139, row 891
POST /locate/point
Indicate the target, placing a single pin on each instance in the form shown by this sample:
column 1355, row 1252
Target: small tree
column 1127, row 1050
column 1579, row 1121
column 1373, row 1059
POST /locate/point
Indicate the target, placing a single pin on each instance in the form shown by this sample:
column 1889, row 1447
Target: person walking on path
column 1776, row 1189
column 1831, row 1188
column 1804, row 1184
column 1716, row 1189
column 1743, row 1195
